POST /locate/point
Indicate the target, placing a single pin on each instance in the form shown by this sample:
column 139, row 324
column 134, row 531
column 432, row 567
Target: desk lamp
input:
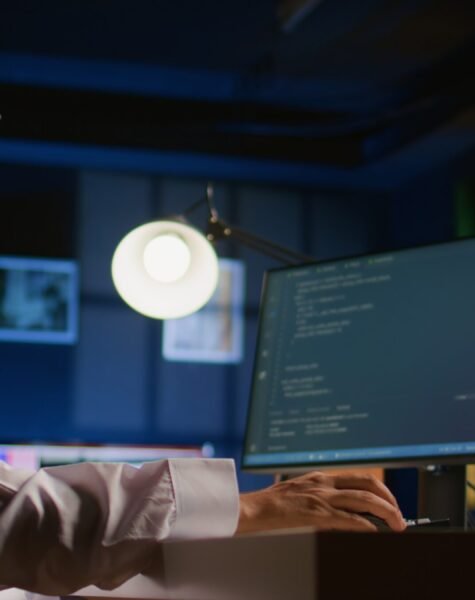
column 168, row 269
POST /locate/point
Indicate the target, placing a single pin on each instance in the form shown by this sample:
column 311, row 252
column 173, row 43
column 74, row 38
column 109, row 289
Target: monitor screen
column 35, row 456
column 364, row 360
column 38, row 300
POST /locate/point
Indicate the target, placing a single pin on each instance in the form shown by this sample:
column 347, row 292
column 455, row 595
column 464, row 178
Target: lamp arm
column 208, row 200
column 218, row 229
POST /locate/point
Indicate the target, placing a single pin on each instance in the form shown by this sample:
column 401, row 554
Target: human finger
column 341, row 520
column 368, row 483
column 366, row 502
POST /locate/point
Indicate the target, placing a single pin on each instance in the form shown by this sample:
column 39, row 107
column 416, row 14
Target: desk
column 305, row 565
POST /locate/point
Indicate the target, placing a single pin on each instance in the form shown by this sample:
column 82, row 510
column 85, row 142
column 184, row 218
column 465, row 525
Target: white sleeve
column 63, row 528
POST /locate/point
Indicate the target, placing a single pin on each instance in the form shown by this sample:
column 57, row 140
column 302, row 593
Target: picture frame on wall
column 38, row 300
column 215, row 333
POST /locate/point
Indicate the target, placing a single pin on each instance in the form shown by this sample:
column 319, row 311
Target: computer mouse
column 411, row 524
column 380, row 523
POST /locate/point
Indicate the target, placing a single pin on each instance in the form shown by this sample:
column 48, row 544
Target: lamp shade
column 165, row 269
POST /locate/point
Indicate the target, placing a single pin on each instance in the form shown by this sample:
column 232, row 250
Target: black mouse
column 380, row 523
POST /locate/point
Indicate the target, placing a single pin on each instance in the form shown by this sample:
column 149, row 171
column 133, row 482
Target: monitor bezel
column 392, row 462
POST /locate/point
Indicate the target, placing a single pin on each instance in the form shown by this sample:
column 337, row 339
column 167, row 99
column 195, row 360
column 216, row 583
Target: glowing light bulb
column 165, row 269
column 166, row 258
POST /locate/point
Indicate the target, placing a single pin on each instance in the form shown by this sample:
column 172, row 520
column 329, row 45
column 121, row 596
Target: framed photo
column 215, row 333
column 38, row 300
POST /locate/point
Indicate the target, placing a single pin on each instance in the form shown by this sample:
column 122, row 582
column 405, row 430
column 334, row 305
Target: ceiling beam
column 236, row 128
column 125, row 120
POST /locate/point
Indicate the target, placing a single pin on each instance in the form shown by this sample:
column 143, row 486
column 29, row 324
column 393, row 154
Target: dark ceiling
column 340, row 83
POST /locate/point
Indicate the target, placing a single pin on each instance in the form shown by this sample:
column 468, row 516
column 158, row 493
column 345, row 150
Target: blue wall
column 114, row 386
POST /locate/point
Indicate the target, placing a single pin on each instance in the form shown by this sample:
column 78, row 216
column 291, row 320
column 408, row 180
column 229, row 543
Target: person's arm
column 63, row 528
column 67, row 527
column 326, row 502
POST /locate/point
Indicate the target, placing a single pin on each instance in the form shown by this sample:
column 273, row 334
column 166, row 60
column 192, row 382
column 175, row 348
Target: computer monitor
column 34, row 456
column 366, row 360
column 38, row 300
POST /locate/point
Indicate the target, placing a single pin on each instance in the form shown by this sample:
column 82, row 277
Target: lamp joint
column 216, row 229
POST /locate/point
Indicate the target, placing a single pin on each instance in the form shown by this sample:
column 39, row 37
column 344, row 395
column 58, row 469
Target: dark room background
column 348, row 132
column 114, row 385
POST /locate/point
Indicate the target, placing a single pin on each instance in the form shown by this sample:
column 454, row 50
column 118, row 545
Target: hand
column 322, row 501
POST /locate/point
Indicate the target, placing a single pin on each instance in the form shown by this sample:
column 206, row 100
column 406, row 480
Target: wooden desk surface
column 306, row 565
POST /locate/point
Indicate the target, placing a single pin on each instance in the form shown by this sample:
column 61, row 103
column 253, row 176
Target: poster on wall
column 215, row 333
column 38, row 300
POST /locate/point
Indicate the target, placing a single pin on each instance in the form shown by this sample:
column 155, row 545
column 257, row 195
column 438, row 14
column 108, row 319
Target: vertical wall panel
column 274, row 215
column 176, row 195
column 110, row 205
column 244, row 377
column 110, row 377
column 35, row 392
column 341, row 225
column 423, row 212
column 37, row 219
column 111, row 359
column 192, row 401
column 190, row 397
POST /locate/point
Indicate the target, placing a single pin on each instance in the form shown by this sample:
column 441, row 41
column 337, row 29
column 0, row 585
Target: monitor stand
column 442, row 493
